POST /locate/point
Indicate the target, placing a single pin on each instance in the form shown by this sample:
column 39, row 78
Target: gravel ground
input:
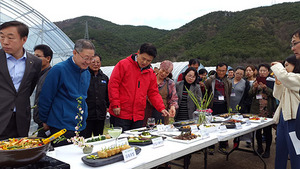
column 237, row 160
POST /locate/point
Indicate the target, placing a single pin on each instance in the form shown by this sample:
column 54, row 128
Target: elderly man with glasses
column 65, row 91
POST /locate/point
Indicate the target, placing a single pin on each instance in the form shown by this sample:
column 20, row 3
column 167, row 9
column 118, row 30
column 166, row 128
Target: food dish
column 183, row 123
column 105, row 161
column 21, row 157
column 142, row 140
column 98, row 141
column 197, row 138
column 257, row 119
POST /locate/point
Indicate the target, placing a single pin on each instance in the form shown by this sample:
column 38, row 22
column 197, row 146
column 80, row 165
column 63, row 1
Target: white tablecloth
column 149, row 156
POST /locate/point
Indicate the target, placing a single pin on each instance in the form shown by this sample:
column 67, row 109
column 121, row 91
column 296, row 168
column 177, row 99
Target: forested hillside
column 250, row 36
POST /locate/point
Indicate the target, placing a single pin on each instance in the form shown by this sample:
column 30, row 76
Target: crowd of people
column 76, row 95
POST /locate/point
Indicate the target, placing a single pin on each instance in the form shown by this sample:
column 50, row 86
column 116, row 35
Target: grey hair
column 83, row 44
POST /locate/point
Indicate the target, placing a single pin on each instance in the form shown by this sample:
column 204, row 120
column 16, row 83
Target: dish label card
column 157, row 142
column 238, row 126
column 129, row 154
column 248, row 123
column 223, row 129
column 204, row 134
column 194, row 128
column 160, row 127
column 123, row 141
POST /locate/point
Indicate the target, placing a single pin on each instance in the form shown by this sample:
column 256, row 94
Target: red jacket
column 129, row 87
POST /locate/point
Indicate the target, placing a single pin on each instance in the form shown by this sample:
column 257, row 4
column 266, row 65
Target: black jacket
column 97, row 98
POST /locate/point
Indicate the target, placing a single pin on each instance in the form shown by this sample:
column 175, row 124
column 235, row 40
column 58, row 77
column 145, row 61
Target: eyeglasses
column 293, row 44
column 86, row 58
column 191, row 77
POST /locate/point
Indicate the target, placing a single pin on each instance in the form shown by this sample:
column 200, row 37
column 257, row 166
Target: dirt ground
column 237, row 159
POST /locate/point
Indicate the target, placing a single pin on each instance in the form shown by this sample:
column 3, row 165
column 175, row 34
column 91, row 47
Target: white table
column 149, row 156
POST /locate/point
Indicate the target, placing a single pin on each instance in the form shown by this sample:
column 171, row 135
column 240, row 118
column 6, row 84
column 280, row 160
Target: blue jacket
column 64, row 83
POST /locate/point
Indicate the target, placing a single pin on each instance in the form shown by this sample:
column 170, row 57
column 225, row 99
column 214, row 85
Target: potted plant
column 202, row 107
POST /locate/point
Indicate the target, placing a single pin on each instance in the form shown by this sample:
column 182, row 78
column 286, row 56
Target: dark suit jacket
column 10, row 98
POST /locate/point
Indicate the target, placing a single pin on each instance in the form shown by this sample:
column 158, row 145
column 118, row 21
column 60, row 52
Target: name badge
column 123, row 141
column 238, row 126
column 232, row 94
column 259, row 96
column 221, row 97
column 223, row 129
column 157, row 142
column 129, row 154
column 160, row 127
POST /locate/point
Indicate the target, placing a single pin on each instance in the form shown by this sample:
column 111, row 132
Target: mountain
column 251, row 36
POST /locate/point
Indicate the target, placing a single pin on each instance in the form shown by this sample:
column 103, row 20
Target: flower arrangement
column 202, row 107
column 79, row 140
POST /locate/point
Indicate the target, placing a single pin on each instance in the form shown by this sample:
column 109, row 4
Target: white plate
column 98, row 142
column 261, row 119
column 184, row 141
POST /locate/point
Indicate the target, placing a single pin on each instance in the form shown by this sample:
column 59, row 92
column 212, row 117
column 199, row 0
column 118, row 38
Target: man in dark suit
column 19, row 73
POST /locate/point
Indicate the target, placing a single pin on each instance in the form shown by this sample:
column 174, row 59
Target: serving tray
column 105, row 161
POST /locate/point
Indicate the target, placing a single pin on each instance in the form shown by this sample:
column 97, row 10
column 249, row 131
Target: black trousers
column 125, row 124
column 93, row 126
column 268, row 135
column 11, row 130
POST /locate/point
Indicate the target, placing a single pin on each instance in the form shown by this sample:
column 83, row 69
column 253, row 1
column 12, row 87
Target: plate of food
column 257, row 119
column 107, row 156
column 98, row 139
column 249, row 115
column 226, row 115
column 186, row 137
column 187, row 128
column 183, row 123
column 216, row 119
column 209, row 127
column 142, row 139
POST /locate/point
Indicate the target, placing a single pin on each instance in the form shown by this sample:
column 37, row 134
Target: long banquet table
column 150, row 156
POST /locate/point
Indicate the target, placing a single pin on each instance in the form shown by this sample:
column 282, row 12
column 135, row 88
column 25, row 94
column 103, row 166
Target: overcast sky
column 162, row 14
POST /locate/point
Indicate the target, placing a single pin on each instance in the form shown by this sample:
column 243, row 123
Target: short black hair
column 187, row 71
column 46, row 50
column 97, row 55
column 221, row 65
column 193, row 62
column 296, row 33
column 22, row 29
column 202, row 71
column 264, row 65
column 230, row 69
column 149, row 49
column 240, row 68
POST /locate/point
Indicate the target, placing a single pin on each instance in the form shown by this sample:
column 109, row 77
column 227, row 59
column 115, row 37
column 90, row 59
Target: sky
column 162, row 14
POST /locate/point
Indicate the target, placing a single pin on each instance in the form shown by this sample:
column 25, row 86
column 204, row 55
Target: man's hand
column 117, row 111
column 172, row 111
column 45, row 126
column 165, row 112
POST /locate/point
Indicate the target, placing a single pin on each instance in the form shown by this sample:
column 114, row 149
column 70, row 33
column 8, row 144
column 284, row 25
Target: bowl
column 22, row 157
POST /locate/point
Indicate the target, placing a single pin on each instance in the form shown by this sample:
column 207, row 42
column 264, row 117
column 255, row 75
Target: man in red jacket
column 131, row 82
